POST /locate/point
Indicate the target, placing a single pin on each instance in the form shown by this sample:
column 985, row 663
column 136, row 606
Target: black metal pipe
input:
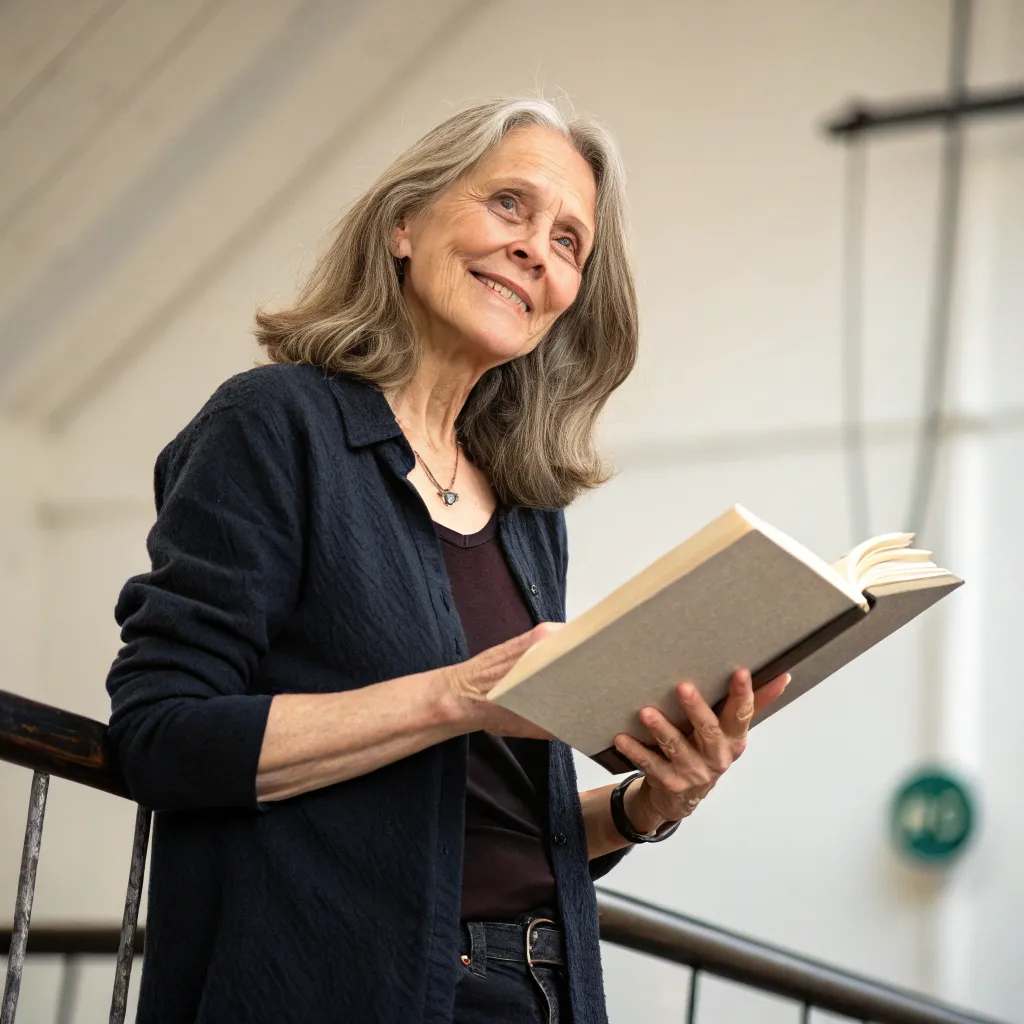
column 867, row 117
column 940, row 306
column 649, row 929
column 691, row 1003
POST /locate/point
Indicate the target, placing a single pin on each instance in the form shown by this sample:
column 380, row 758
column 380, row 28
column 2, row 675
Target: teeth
column 502, row 290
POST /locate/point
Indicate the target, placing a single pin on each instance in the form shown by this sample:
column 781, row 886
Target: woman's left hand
column 684, row 769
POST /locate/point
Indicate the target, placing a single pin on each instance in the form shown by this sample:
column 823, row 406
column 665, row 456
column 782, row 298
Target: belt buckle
column 529, row 936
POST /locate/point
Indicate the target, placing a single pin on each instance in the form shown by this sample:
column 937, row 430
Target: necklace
column 446, row 494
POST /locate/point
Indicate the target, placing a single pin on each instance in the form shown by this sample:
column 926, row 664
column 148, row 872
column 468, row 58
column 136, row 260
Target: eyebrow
column 528, row 188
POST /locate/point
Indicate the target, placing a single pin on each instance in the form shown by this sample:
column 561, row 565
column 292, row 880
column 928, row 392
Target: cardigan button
column 559, row 839
column 533, row 588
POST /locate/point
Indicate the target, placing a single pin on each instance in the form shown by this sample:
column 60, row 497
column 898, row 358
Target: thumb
column 482, row 673
column 515, row 647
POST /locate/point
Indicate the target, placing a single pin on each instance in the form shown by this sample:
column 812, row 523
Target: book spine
column 806, row 647
column 613, row 761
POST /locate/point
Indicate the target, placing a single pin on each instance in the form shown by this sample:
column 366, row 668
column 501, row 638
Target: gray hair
column 529, row 423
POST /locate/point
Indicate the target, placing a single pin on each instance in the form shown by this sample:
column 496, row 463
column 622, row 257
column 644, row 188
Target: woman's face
column 497, row 258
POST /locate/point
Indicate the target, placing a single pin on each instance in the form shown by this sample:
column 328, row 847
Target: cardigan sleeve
column 227, row 556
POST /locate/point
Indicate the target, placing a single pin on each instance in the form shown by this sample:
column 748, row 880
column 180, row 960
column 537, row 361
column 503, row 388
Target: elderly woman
column 353, row 545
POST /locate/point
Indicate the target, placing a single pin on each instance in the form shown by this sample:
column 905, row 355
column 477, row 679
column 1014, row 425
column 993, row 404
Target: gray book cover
column 747, row 601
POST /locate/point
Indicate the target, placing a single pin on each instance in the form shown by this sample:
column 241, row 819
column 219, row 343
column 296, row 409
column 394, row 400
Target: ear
column 400, row 244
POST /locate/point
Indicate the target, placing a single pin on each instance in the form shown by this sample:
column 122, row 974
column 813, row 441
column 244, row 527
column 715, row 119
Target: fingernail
column 787, row 679
column 686, row 690
column 647, row 716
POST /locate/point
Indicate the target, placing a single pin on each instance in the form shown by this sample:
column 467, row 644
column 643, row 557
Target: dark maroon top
column 506, row 870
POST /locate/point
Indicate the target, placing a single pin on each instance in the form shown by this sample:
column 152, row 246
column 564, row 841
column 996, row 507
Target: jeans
column 502, row 991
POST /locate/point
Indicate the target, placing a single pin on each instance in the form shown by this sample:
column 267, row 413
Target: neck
column 428, row 406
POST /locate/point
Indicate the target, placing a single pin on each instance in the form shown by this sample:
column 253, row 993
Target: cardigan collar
column 365, row 412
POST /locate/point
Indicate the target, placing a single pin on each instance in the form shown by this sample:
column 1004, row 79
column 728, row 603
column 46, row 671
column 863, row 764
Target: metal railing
column 53, row 742
column 706, row 949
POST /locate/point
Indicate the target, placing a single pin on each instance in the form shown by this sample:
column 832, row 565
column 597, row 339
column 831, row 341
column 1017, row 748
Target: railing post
column 70, row 975
column 26, row 891
column 126, row 950
column 691, row 1006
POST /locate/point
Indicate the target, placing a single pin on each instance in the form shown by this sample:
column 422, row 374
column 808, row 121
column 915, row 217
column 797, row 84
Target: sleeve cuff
column 201, row 752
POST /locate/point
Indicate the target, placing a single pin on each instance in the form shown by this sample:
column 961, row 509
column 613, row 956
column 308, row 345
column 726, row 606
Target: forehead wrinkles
column 564, row 196
column 557, row 186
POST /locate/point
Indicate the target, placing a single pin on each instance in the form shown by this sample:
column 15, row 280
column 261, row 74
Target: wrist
column 445, row 710
column 642, row 814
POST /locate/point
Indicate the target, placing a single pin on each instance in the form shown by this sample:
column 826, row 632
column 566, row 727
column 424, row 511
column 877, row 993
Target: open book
column 738, row 593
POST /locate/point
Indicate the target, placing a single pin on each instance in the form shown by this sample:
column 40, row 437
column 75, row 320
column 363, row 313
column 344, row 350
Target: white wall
column 736, row 208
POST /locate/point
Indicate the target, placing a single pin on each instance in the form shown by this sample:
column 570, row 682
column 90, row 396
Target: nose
column 530, row 251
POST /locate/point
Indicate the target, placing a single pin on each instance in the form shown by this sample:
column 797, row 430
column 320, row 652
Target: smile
column 503, row 290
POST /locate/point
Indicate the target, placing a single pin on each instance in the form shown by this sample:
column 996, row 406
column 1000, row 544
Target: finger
column 738, row 710
column 764, row 695
column 649, row 761
column 674, row 745
column 707, row 737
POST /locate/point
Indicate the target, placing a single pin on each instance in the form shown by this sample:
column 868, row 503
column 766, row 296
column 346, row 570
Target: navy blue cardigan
column 291, row 554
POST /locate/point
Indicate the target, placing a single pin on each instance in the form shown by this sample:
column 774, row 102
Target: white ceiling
column 144, row 143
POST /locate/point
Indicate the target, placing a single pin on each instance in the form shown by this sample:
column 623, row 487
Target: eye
column 567, row 238
column 508, row 203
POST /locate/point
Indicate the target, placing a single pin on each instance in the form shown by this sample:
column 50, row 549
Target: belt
column 536, row 941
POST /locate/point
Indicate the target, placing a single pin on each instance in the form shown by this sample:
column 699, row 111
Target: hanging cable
column 852, row 335
column 943, row 279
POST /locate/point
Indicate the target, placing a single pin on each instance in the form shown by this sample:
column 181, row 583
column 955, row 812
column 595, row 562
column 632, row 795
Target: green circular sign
column 932, row 816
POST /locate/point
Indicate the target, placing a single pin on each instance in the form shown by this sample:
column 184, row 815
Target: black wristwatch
column 622, row 822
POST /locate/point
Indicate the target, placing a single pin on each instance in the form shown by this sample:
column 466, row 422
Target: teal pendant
column 449, row 497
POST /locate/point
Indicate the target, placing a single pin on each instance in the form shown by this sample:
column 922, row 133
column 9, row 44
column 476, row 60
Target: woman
column 353, row 545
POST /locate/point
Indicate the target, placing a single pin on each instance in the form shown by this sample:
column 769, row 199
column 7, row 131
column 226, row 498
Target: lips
column 506, row 289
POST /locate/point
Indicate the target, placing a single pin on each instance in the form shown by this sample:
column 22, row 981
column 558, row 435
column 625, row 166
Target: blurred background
column 165, row 167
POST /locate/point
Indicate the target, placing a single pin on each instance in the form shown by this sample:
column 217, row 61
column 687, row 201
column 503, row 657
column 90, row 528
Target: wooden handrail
column 74, row 940
column 47, row 739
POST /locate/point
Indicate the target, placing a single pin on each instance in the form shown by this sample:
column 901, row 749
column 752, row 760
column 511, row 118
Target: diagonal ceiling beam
column 185, row 251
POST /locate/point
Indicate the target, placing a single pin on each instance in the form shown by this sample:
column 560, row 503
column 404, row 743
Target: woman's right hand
column 463, row 688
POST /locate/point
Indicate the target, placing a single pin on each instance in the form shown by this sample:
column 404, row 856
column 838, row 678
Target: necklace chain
column 446, row 494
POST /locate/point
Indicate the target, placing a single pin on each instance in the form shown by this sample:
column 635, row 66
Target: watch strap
column 625, row 826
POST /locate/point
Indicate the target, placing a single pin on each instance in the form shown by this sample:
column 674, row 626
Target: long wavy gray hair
column 529, row 423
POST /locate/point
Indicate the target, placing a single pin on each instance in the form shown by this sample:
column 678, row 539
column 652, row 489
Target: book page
column 887, row 558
